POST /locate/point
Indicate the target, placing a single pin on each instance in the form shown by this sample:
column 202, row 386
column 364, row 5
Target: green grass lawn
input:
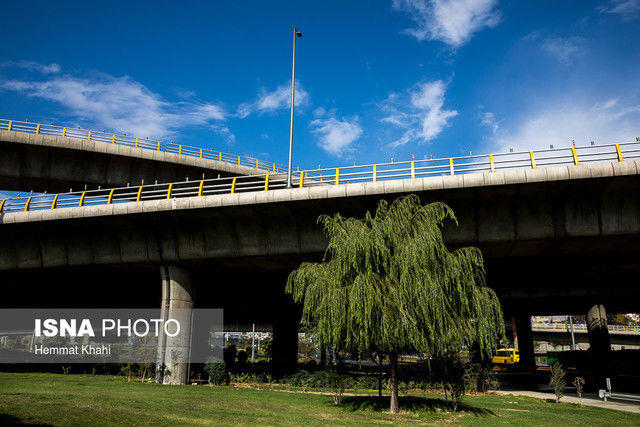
column 85, row 399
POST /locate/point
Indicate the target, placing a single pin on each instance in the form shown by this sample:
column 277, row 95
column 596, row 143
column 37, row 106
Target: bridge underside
column 40, row 163
column 551, row 247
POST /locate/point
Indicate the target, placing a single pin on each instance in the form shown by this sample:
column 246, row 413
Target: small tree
column 557, row 381
column 389, row 284
column 578, row 383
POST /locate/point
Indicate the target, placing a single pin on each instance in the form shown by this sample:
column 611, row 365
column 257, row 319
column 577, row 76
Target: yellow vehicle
column 506, row 356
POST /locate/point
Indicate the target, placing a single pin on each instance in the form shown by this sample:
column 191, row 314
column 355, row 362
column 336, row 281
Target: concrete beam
column 559, row 216
column 55, row 164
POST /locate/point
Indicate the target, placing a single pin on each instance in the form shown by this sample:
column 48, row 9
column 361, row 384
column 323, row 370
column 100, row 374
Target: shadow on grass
column 10, row 420
column 409, row 403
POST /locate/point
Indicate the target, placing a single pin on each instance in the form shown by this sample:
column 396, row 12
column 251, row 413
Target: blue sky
column 392, row 78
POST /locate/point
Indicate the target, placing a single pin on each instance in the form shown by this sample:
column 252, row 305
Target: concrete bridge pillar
column 285, row 337
column 524, row 338
column 599, row 344
column 177, row 303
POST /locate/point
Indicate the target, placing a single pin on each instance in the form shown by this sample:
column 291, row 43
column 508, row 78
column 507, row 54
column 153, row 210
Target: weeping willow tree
column 389, row 285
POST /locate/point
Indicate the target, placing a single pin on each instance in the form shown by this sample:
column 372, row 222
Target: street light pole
column 296, row 33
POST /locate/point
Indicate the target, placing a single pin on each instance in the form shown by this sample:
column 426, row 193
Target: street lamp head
column 298, row 33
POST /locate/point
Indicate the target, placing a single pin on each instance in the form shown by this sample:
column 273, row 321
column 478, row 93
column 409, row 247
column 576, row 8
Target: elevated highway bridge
column 46, row 158
column 559, row 229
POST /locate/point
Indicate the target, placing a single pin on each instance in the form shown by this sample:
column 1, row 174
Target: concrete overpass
column 551, row 237
column 620, row 336
column 39, row 158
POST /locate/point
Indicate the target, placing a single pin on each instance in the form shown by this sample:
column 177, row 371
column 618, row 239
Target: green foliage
column 266, row 347
column 251, row 377
column 241, row 357
column 338, row 383
column 388, row 284
column 557, row 381
column 457, row 377
column 229, row 354
column 217, row 371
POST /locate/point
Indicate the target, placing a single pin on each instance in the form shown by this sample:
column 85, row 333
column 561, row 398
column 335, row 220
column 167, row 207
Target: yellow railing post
column 84, row 193
column 110, row 199
column 575, row 156
column 179, row 149
column 139, row 196
column 274, row 167
column 451, row 166
column 200, row 187
column 266, row 183
column 375, row 173
column 493, row 168
column 619, row 152
column 136, row 142
column 38, row 129
column 2, row 205
column 533, row 159
column 302, row 174
column 337, row 180
column 10, row 124
column 169, row 190
column 158, row 145
column 257, row 164
column 27, row 204
column 113, row 138
column 413, row 169
column 238, row 159
column 64, row 132
column 89, row 136
column 54, row 203
column 201, row 153
column 220, row 156
column 233, row 185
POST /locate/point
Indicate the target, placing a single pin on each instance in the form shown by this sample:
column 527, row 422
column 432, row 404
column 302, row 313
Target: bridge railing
column 581, row 327
column 334, row 176
column 142, row 143
column 475, row 163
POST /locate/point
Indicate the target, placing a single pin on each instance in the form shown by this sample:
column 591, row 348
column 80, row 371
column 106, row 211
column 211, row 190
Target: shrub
column 218, row 374
column 229, row 354
column 242, row 357
column 338, row 383
column 557, row 380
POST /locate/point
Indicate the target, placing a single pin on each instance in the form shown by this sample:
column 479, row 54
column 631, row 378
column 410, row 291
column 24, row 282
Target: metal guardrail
column 581, row 327
column 143, row 143
column 333, row 176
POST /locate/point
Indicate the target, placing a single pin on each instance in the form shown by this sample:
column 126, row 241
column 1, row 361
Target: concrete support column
column 177, row 303
column 285, row 338
column 524, row 337
column 599, row 344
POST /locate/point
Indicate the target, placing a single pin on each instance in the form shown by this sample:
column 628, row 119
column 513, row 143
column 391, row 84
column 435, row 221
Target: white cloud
column 279, row 98
column 627, row 9
column 336, row 136
column 225, row 132
column 604, row 122
column 418, row 112
column 119, row 104
column 451, row 21
column 32, row 66
column 564, row 49
column 488, row 119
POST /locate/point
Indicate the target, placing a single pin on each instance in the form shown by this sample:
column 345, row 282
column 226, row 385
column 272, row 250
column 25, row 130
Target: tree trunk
column 379, row 360
column 394, row 383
